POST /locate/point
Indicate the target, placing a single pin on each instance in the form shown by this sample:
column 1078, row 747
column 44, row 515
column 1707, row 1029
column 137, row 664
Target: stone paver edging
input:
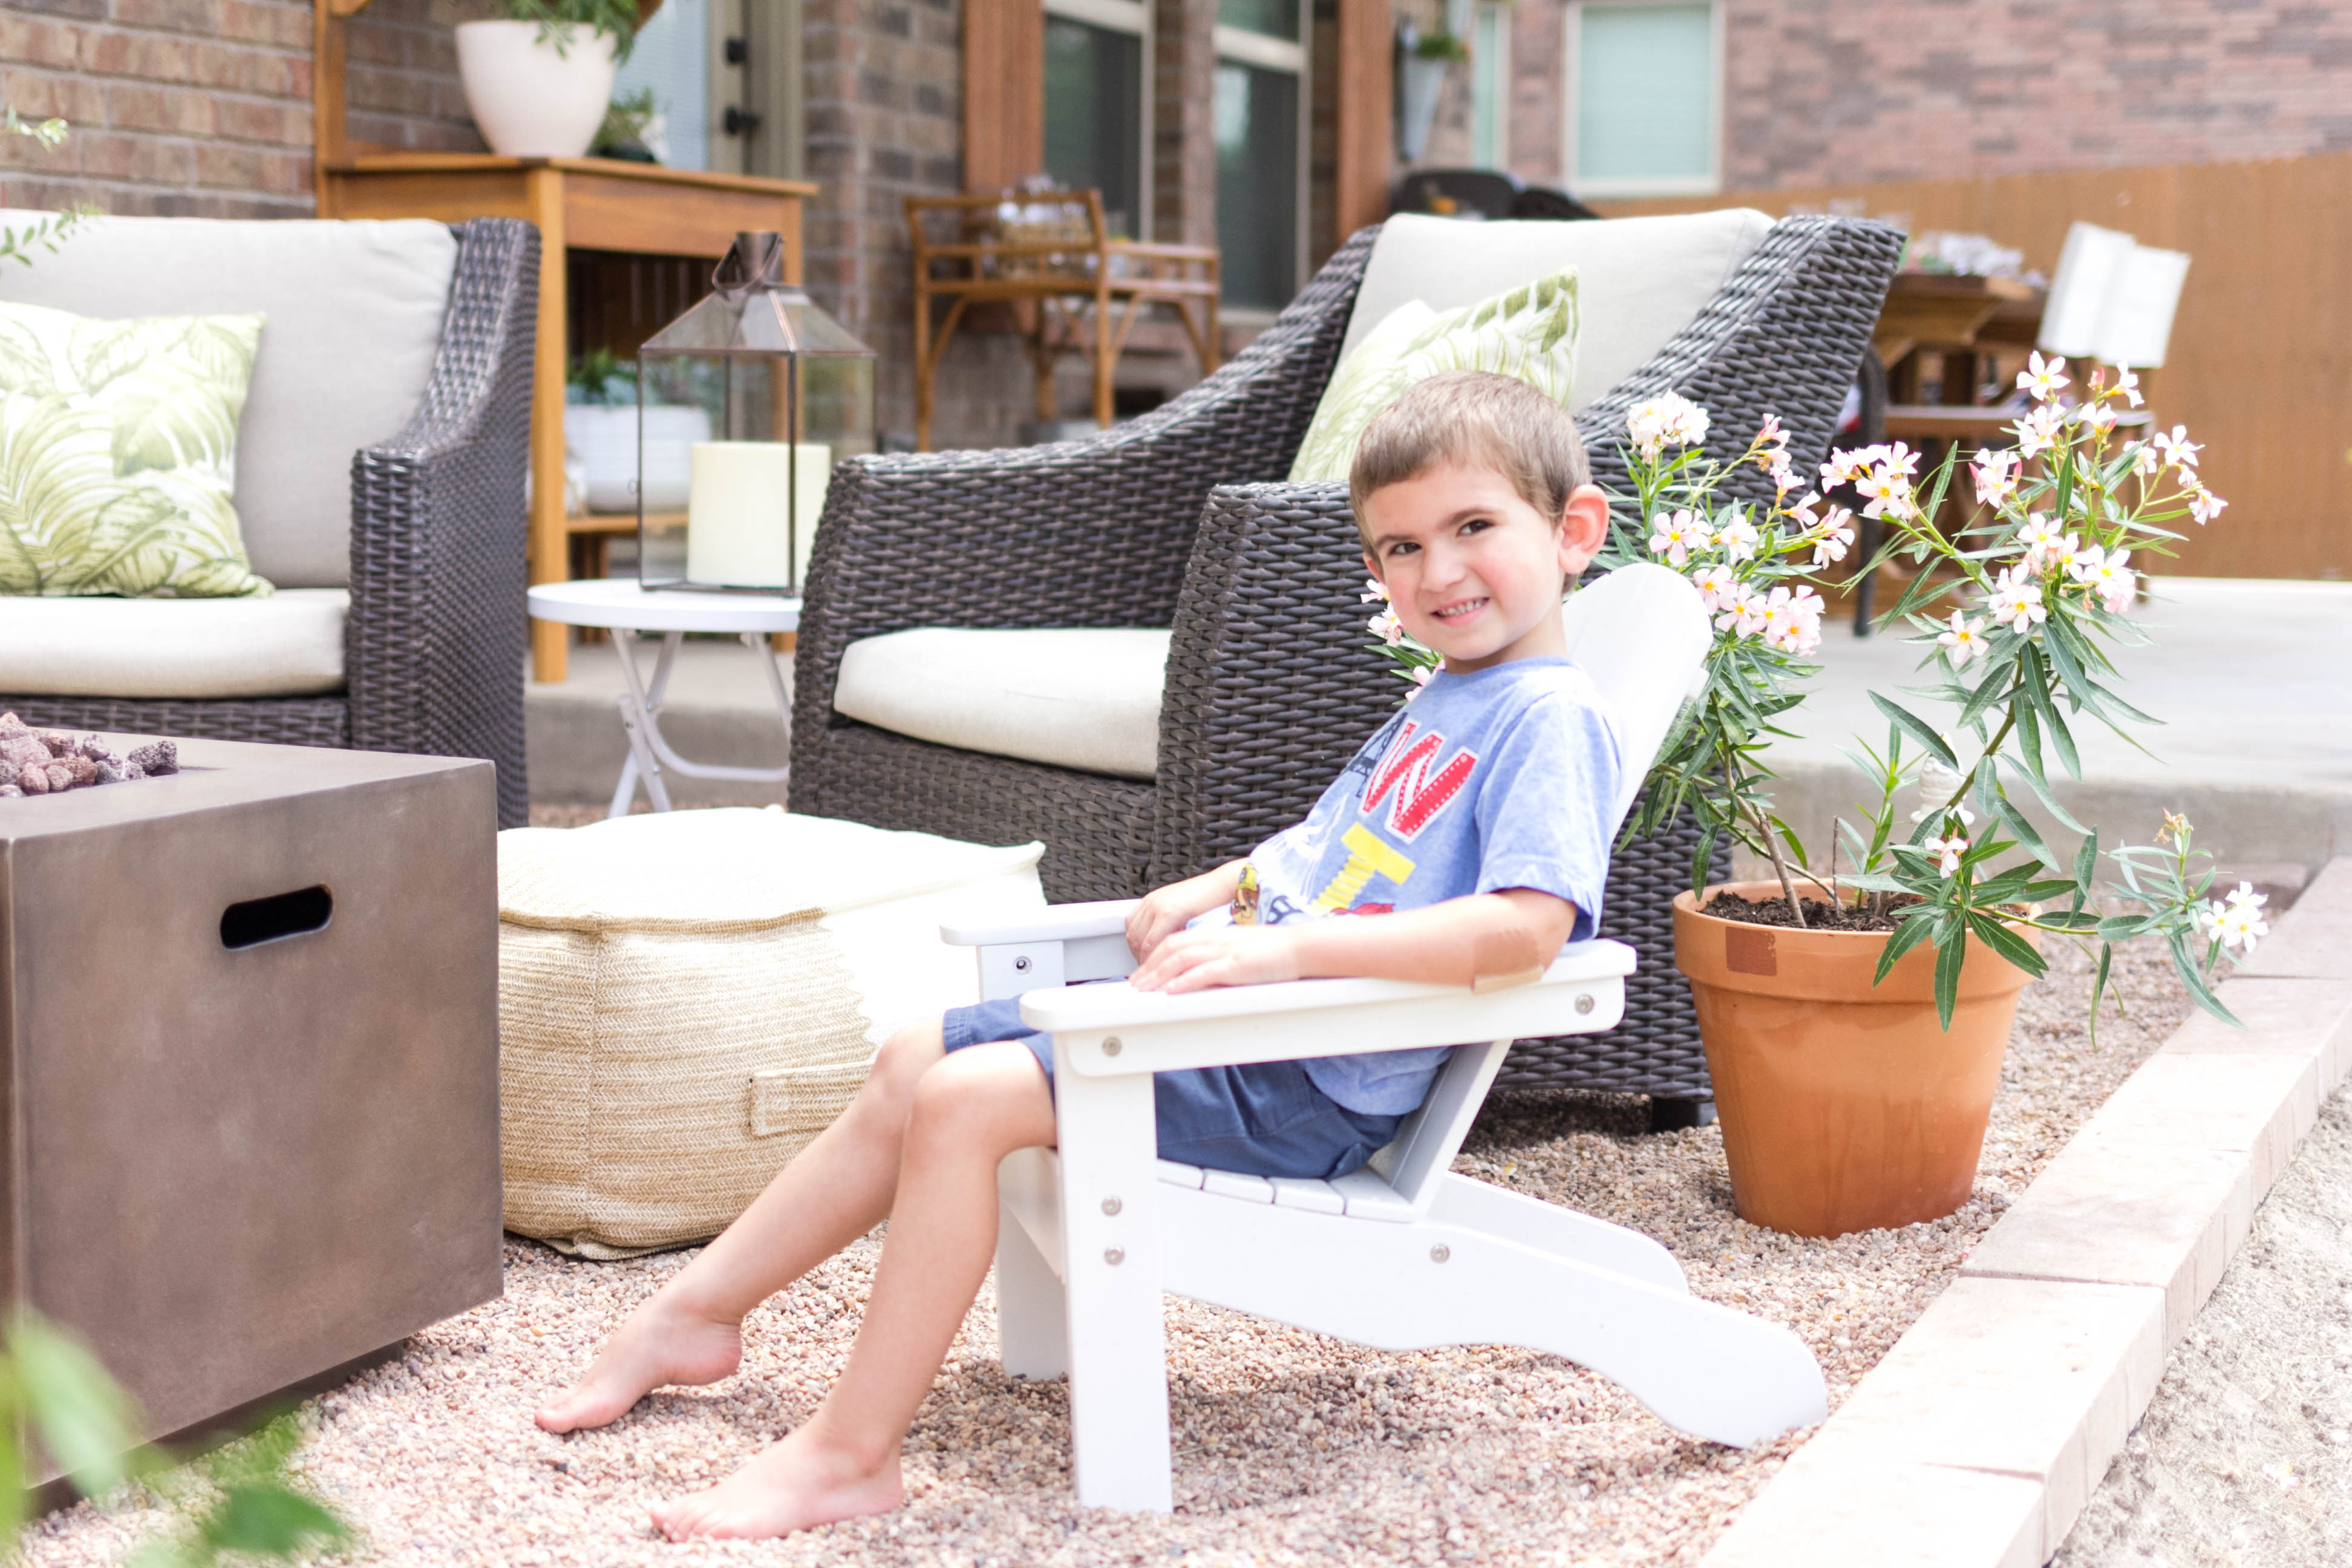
column 1978, row 1438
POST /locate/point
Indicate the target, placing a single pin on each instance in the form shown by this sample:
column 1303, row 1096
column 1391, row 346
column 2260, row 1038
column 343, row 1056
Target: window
column 1097, row 67
column 672, row 58
column 1261, row 150
column 1645, row 92
column 1490, row 87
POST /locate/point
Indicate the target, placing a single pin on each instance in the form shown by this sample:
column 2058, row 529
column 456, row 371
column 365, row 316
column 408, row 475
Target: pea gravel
column 1290, row 1447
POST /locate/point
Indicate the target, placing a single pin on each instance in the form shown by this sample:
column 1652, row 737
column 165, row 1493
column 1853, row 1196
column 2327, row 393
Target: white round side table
column 625, row 609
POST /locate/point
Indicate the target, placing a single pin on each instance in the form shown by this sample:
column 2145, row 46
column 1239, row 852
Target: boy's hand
column 1165, row 910
column 1219, row 955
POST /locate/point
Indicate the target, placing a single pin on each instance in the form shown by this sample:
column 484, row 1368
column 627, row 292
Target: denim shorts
column 1264, row 1119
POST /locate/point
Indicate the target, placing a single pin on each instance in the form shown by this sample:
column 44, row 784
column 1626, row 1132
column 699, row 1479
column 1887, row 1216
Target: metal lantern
column 765, row 393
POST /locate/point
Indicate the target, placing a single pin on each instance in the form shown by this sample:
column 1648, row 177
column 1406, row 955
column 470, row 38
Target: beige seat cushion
column 1084, row 698
column 355, row 312
column 1642, row 279
column 289, row 643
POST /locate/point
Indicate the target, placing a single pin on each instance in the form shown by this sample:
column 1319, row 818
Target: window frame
column 1572, row 64
column 1271, row 52
column 1132, row 17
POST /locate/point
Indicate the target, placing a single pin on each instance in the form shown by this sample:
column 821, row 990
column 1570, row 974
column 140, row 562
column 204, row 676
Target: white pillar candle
column 736, row 533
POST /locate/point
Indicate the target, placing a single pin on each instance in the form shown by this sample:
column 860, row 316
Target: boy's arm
column 1165, row 910
column 1482, row 937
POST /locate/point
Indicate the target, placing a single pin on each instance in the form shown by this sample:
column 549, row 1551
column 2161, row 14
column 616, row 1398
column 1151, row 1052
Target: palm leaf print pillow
column 118, row 454
column 1528, row 332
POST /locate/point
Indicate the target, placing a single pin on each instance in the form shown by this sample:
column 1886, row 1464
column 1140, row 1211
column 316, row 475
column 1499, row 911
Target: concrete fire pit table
column 249, row 1013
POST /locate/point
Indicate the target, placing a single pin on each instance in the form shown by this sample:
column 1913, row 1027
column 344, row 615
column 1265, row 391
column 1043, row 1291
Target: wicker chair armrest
column 1077, row 533
column 435, row 644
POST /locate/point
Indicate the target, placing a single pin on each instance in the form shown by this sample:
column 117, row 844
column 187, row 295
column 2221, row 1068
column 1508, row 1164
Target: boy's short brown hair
column 1473, row 417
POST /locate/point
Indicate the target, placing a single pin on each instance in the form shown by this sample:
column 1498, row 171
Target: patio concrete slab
column 721, row 711
column 2255, row 747
column 2034, row 1364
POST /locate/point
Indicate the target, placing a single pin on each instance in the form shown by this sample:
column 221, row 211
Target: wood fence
column 2260, row 367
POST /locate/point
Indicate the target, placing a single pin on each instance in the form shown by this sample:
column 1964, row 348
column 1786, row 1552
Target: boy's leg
column 970, row 1112
column 838, row 1188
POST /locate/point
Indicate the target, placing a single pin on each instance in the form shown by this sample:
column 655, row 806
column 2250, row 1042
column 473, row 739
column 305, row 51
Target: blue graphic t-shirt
column 1503, row 778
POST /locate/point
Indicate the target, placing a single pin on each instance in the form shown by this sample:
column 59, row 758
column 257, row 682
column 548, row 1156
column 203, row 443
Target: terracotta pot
column 1844, row 1107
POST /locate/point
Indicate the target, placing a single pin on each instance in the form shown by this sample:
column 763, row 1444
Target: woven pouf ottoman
column 687, row 998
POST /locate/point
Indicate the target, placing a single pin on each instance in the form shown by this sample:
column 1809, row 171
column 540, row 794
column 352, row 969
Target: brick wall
column 201, row 107
column 1837, row 91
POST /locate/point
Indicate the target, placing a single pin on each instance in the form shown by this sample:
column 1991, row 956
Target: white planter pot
column 1423, row 80
column 605, row 442
column 528, row 100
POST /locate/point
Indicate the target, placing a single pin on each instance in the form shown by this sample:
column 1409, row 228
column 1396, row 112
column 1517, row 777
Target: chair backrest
column 355, row 312
column 1640, row 280
column 1642, row 634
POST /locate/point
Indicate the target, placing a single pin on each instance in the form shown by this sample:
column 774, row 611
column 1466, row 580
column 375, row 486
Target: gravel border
column 1290, row 1447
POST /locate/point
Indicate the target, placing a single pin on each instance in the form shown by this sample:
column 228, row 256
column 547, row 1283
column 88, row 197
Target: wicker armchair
column 434, row 639
column 1182, row 519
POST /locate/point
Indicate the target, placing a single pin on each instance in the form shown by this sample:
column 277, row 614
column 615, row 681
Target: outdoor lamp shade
column 788, row 393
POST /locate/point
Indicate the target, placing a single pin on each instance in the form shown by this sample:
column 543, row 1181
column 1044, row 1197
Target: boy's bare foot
column 661, row 1344
column 796, row 1484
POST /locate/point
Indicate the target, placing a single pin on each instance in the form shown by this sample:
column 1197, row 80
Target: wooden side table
column 1069, row 259
column 578, row 203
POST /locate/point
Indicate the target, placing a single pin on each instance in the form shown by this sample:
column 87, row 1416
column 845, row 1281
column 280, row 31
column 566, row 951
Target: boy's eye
column 1401, row 547
column 1476, row 525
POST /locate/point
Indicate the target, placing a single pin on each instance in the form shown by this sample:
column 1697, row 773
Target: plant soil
column 1820, row 915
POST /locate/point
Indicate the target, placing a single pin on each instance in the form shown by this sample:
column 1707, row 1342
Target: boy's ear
column 1584, row 528
column 1373, row 567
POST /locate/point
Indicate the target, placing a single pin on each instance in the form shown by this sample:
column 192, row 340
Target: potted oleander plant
column 1856, row 1005
column 538, row 79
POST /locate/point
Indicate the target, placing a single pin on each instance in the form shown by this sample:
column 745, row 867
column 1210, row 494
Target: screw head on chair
column 1110, row 1045
column 1021, row 964
column 1440, row 1253
column 1110, row 1206
column 1114, row 1256
column 1584, row 1003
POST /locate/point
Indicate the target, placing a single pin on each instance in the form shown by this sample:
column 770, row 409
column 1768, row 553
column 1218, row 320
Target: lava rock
column 58, row 746
column 80, row 770
column 96, row 751
column 157, row 757
column 34, row 781
column 8, row 790
column 26, row 751
column 60, row 778
column 12, row 725
column 9, row 771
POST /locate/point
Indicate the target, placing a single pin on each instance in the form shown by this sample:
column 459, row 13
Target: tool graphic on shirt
column 1367, row 858
column 1422, row 789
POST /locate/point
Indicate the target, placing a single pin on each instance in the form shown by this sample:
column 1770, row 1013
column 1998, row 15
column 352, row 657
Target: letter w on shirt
column 1422, row 788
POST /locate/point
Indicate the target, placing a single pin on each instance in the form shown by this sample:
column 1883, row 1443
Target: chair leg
column 1110, row 1259
column 1032, row 1331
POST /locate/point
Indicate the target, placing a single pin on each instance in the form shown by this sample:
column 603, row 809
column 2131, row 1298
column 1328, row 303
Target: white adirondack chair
column 1402, row 1255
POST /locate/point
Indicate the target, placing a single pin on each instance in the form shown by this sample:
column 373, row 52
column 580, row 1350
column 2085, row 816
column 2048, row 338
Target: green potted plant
column 1854, row 1009
column 538, row 79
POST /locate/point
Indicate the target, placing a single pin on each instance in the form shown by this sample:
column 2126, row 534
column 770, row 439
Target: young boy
column 1469, row 836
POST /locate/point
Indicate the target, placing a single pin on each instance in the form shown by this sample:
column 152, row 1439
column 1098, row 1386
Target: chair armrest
column 1055, row 922
column 1113, row 1030
column 435, row 643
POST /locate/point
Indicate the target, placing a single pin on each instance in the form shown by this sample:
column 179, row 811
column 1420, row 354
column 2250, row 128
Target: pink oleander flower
column 2016, row 601
column 1736, row 539
column 1886, row 492
column 2205, row 506
column 2144, row 458
column 1669, row 420
column 1769, row 433
column 2105, row 575
column 1837, row 537
column 2042, row 377
column 1784, row 478
column 1965, row 641
column 2128, row 384
column 2178, row 449
column 2039, row 430
column 1678, row 533
column 1792, row 622
column 2042, row 537
column 1996, row 471
column 1375, row 592
column 1716, row 586
column 1387, row 627
column 1743, row 613
column 2098, row 416
column 1844, row 468
column 1949, row 850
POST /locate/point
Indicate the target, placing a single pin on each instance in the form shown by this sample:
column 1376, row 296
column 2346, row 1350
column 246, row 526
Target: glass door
column 1097, row 112
column 725, row 79
column 1261, row 150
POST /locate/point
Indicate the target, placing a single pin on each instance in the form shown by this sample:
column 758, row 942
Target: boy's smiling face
column 1473, row 571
